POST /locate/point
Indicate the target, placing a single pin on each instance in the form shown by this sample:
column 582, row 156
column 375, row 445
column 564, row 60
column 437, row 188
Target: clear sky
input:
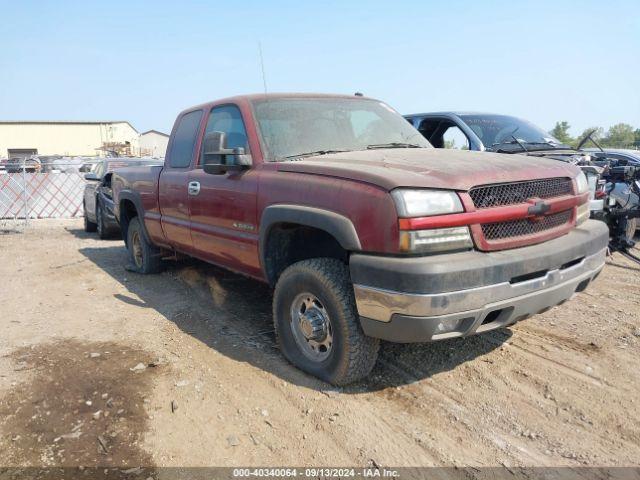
column 145, row 61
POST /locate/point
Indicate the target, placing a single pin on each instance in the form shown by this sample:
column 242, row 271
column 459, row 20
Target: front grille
column 524, row 226
column 512, row 193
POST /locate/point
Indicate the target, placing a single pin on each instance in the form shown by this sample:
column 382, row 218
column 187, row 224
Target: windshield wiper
column 313, row 154
column 549, row 144
column 519, row 143
column 505, row 142
column 497, row 147
column 392, row 145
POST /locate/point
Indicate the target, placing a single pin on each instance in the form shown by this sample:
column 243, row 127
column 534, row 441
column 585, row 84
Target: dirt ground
column 100, row 366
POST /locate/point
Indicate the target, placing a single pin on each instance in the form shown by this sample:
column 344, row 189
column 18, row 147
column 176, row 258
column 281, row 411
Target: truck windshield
column 497, row 132
column 295, row 127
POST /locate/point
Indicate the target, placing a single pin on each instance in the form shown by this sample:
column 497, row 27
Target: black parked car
column 98, row 202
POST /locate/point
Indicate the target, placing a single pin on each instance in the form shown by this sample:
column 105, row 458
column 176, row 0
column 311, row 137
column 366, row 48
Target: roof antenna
column 264, row 77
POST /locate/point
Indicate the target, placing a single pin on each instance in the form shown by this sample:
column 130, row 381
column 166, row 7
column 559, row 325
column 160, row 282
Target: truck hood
column 430, row 168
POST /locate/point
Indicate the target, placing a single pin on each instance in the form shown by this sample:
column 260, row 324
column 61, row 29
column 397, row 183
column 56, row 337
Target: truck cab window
column 98, row 169
column 428, row 128
column 443, row 133
column 228, row 119
column 454, row 138
column 184, row 140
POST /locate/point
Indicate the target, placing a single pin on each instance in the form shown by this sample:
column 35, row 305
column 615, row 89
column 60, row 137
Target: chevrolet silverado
column 362, row 228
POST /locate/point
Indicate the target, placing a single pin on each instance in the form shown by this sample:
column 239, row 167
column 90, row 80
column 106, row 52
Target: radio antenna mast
column 264, row 77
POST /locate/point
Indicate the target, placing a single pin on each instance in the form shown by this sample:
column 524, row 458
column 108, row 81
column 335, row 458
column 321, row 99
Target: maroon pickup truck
column 364, row 230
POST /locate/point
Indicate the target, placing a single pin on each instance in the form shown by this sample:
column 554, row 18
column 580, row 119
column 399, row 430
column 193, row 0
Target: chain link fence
column 30, row 190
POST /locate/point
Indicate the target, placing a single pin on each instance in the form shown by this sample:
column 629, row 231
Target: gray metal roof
column 154, row 131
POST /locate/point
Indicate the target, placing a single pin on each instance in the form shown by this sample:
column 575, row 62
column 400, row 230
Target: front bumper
column 458, row 294
column 109, row 217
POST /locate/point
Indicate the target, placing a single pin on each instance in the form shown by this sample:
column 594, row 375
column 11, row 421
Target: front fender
column 336, row 225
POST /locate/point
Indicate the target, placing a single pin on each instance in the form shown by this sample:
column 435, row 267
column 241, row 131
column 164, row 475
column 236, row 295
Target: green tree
column 636, row 136
column 561, row 132
column 619, row 135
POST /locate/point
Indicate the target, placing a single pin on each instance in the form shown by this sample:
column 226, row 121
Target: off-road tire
column 89, row 226
column 352, row 354
column 103, row 231
column 147, row 259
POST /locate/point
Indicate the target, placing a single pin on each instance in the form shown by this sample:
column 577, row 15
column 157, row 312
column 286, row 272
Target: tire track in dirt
column 548, row 401
column 528, row 406
column 449, row 405
column 567, row 369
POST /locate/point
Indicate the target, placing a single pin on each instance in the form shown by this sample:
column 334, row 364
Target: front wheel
column 143, row 256
column 317, row 323
column 101, row 228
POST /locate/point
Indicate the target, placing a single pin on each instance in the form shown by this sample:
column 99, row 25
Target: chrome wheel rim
column 136, row 249
column 311, row 327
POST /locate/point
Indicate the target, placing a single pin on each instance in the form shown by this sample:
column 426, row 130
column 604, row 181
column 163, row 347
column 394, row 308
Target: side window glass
column 184, row 140
column 428, row 127
column 454, row 138
column 228, row 119
column 99, row 169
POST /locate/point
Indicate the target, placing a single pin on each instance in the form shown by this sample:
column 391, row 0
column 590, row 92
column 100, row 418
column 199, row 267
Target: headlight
column 582, row 184
column 583, row 213
column 423, row 203
column 435, row 240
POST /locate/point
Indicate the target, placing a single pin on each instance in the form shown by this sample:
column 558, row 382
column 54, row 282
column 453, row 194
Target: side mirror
column 92, row 177
column 217, row 159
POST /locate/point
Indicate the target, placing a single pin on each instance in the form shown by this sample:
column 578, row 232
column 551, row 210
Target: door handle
column 194, row 188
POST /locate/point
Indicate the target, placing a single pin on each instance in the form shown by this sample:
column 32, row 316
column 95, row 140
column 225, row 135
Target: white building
column 153, row 143
column 25, row 138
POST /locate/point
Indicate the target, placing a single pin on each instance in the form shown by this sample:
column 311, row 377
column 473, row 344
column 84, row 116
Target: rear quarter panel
column 141, row 185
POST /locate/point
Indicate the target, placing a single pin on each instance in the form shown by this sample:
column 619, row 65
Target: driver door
column 223, row 207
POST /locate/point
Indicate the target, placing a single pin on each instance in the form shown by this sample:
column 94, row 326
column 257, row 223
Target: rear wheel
column 89, row 226
column 317, row 324
column 144, row 257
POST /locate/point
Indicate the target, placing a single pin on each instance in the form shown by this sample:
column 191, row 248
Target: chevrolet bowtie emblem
column 539, row 208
